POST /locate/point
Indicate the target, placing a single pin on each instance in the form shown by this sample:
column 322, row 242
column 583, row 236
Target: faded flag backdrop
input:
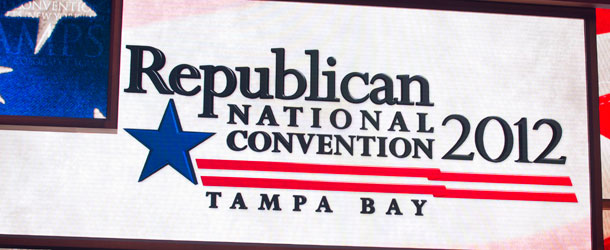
column 603, row 55
column 103, row 185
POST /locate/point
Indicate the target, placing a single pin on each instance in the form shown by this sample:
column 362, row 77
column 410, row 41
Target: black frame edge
column 594, row 132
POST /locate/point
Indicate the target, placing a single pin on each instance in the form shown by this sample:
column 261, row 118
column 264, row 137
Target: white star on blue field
column 169, row 145
column 2, row 71
column 59, row 53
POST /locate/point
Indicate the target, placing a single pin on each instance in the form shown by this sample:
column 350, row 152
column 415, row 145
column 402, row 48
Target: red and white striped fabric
column 603, row 50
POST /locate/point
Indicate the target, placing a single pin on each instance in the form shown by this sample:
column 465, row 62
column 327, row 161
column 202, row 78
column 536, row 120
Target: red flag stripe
column 433, row 174
column 603, row 21
column 319, row 185
column 508, row 195
column 435, row 190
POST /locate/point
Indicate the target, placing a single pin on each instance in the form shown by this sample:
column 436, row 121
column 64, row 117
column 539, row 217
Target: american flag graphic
column 54, row 58
column 603, row 50
column 603, row 53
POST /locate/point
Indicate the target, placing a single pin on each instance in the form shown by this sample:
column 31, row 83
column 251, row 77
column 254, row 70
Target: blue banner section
column 68, row 76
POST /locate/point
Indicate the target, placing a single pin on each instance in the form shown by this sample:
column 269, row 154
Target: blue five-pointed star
column 169, row 145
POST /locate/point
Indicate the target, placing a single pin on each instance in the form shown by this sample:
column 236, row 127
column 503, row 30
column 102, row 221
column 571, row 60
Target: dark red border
column 56, row 242
column 113, row 87
column 595, row 171
column 571, row 3
column 587, row 14
column 115, row 63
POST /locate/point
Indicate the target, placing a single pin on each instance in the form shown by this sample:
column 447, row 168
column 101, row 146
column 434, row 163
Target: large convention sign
column 319, row 124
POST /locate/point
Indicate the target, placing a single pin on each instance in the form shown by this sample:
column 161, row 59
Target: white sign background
column 478, row 65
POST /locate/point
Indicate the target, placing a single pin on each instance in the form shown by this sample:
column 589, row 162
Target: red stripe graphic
column 433, row 174
column 435, row 190
column 319, row 185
